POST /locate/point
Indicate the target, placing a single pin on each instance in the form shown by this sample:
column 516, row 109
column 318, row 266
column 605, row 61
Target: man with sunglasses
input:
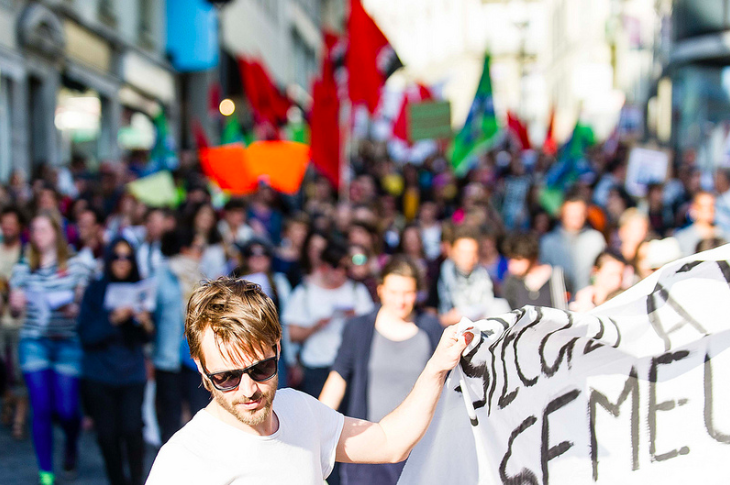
column 250, row 432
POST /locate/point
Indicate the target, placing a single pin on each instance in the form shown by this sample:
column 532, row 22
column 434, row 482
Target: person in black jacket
column 381, row 356
column 112, row 334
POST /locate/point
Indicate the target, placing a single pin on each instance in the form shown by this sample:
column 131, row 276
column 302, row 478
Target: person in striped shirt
column 46, row 287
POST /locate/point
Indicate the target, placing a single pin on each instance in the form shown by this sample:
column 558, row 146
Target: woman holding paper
column 112, row 332
column 45, row 287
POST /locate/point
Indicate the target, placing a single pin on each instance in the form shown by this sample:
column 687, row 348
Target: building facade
column 697, row 63
column 80, row 78
column 286, row 35
column 600, row 57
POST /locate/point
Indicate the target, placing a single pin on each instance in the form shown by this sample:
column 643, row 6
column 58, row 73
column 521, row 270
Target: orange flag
column 237, row 169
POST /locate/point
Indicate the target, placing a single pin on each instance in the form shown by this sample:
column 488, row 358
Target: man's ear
column 199, row 366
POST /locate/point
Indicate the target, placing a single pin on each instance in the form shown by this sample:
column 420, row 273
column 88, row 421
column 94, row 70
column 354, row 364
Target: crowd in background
column 363, row 281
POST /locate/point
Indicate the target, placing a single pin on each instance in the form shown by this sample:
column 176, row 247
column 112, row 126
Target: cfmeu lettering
column 601, row 407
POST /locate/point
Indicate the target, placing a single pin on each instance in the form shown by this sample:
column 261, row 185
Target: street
column 19, row 462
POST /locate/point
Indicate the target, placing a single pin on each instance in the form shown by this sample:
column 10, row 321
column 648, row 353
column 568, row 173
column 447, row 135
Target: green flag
column 298, row 131
column 162, row 156
column 480, row 128
column 232, row 131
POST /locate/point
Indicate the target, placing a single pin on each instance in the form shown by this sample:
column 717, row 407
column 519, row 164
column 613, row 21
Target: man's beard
column 249, row 418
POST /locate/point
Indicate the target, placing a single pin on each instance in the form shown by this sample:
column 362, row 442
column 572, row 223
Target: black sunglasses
column 121, row 257
column 261, row 371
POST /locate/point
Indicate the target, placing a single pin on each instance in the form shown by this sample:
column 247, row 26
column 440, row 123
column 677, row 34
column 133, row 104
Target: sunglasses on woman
column 121, row 257
column 261, row 371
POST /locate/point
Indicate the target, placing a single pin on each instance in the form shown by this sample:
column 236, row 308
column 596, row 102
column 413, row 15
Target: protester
column 15, row 398
column 113, row 366
column 149, row 255
column 362, row 269
column 264, row 217
column 317, row 312
column 633, row 227
column 702, row 214
column 214, row 260
column 245, row 432
column 314, row 245
column 232, row 227
column 573, row 246
column 607, row 279
column 175, row 381
column 531, row 282
column 90, row 226
column 464, row 287
column 47, row 287
column 654, row 253
column 430, row 227
column 491, row 259
column 381, row 356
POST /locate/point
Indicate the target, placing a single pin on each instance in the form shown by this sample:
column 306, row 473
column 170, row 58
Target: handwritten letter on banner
column 637, row 391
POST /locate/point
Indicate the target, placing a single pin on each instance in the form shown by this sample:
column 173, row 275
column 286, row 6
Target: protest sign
column 636, row 391
column 646, row 167
column 156, row 190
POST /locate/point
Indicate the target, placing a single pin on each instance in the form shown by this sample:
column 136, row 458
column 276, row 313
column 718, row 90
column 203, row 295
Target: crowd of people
column 95, row 283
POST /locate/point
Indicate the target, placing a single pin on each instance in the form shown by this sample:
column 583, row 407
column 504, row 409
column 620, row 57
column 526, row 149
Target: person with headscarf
column 113, row 366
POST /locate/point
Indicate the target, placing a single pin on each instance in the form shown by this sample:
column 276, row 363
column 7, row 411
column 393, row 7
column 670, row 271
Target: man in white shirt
column 250, row 433
column 317, row 312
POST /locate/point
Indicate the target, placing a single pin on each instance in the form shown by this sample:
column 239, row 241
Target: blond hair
column 243, row 319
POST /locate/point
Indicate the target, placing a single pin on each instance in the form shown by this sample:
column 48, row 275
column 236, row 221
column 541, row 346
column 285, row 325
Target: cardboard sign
column 646, row 167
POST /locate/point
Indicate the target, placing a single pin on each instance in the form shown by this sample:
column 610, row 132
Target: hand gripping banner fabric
column 637, row 391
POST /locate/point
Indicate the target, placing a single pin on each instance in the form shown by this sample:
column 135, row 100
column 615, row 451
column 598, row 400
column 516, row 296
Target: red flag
column 267, row 103
column 325, row 118
column 401, row 126
column 519, row 131
column 370, row 58
column 550, row 146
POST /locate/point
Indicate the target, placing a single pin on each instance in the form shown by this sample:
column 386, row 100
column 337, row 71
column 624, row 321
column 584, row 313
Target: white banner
column 636, row 391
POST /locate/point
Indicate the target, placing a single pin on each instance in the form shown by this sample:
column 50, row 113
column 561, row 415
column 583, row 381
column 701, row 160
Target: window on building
column 692, row 18
column 78, row 120
column 305, row 64
column 107, row 13
column 146, row 9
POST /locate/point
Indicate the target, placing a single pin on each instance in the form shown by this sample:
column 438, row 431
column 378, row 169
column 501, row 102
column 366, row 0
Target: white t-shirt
column 310, row 303
column 209, row 451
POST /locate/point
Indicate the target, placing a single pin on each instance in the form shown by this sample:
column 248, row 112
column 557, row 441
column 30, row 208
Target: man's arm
column 392, row 439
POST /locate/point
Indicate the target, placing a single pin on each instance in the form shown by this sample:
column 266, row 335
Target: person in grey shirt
column 380, row 359
column 572, row 245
